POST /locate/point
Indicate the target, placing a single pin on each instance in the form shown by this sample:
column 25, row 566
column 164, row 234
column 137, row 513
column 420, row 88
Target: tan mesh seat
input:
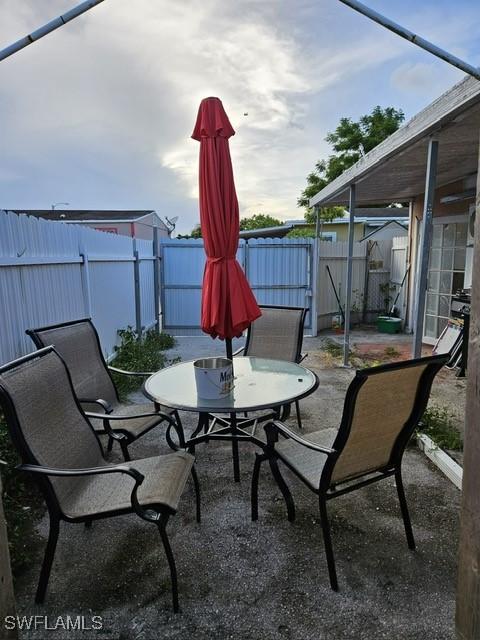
column 60, row 448
column 165, row 478
column 278, row 335
column 78, row 344
column 307, row 462
column 383, row 406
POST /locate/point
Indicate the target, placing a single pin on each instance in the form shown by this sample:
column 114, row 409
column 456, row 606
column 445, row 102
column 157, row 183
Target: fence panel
column 278, row 271
column 399, row 264
column 334, row 256
column 147, row 284
column 111, row 277
column 40, row 267
column 52, row 272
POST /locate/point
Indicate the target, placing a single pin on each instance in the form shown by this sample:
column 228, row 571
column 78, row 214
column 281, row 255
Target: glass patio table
column 259, row 384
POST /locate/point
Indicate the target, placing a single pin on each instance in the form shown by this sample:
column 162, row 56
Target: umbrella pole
column 228, row 347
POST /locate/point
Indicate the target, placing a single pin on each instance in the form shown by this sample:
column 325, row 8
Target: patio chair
column 59, row 447
column 382, row 408
column 79, row 345
column 277, row 334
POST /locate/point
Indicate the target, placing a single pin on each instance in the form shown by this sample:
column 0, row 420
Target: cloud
column 422, row 78
column 100, row 112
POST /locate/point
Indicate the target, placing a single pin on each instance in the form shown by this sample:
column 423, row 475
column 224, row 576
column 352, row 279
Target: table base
column 233, row 429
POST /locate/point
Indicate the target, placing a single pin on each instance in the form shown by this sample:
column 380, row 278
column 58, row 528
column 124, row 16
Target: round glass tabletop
column 258, row 384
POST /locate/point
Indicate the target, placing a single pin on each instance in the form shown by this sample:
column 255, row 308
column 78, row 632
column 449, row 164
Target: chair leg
column 180, row 431
column 404, row 509
column 299, row 417
column 109, row 444
column 171, row 562
column 124, row 446
column 196, row 486
column 259, row 458
column 327, row 541
column 282, row 485
column 47, row 560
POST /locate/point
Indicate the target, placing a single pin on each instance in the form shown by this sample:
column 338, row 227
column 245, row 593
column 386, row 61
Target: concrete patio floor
column 268, row 579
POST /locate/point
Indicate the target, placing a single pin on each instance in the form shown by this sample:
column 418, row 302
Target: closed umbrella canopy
column 228, row 304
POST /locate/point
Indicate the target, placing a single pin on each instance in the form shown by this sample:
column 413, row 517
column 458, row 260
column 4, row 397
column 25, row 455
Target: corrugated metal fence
column 53, row 272
column 279, row 271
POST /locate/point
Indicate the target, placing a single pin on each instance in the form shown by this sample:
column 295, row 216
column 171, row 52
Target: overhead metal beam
column 348, row 293
column 424, row 248
column 48, row 28
column 413, row 37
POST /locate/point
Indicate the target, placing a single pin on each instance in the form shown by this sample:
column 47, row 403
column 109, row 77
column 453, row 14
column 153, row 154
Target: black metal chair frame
column 114, row 433
column 157, row 514
column 298, row 358
column 326, row 490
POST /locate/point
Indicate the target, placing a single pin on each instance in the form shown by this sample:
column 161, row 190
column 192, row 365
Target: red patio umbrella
column 228, row 304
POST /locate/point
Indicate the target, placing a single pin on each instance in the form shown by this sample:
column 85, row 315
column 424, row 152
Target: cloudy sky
column 99, row 113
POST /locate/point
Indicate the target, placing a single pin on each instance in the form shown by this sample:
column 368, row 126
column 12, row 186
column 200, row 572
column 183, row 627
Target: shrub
column 146, row 354
column 438, row 425
column 22, row 503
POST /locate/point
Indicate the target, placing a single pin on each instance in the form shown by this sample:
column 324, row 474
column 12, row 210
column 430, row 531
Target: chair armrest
column 146, row 514
column 131, row 373
column 238, row 351
column 103, row 416
column 103, row 403
column 273, row 428
column 92, row 471
column 120, row 436
column 302, row 357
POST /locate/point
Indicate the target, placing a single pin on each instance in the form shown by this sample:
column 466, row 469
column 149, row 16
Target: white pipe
column 48, row 28
column 413, row 37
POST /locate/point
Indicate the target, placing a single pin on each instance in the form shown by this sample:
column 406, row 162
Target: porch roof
column 394, row 171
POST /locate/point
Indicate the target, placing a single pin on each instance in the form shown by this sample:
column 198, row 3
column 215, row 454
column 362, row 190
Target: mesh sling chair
column 383, row 405
column 79, row 345
column 59, row 447
column 277, row 334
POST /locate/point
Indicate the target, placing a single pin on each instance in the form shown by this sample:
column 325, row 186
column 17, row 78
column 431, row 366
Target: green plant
column 386, row 289
column 391, row 352
column 22, row 504
column 438, row 425
column 146, row 354
column 332, row 348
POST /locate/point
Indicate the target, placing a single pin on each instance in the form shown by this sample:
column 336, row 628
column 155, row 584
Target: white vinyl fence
column 52, row 272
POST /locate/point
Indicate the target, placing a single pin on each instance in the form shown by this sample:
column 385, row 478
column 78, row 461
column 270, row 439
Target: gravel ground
column 268, row 579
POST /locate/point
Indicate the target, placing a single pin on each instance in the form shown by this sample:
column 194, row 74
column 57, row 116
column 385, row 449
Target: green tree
column 259, row 221
column 350, row 141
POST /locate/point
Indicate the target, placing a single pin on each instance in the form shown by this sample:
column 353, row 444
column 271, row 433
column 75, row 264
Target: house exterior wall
column 341, row 229
column 141, row 229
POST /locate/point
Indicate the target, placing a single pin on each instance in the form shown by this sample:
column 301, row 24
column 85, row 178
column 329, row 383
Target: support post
column 424, row 247
column 156, row 278
column 468, row 586
column 314, row 283
column 348, row 292
column 87, row 295
column 138, row 303
column 7, row 600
